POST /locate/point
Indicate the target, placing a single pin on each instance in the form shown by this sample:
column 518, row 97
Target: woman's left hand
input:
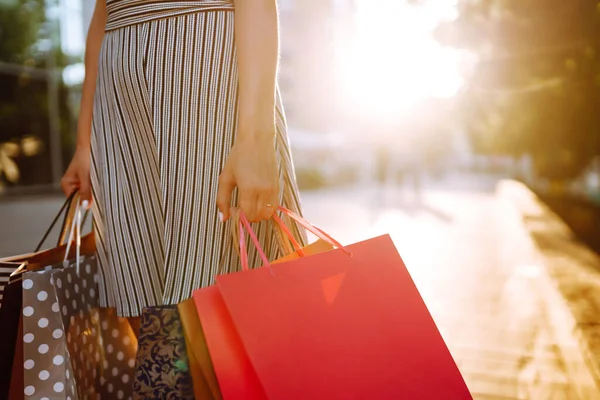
column 251, row 167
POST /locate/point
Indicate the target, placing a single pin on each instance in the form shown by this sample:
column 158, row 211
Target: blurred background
column 405, row 117
column 488, row 86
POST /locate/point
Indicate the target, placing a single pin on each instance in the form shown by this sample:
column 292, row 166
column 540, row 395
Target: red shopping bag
column 235, row 374
column 344, row 324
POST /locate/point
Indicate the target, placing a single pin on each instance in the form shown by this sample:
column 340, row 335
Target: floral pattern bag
column 162, row 367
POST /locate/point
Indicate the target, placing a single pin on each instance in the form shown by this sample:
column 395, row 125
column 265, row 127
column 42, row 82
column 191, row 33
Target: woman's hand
column 78, row 175
column 252, row 163
column 252, row 167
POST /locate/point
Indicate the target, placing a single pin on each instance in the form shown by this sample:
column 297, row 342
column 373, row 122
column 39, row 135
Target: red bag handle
column 313, row 229
column 288, row 233
column 244, row 224
column 243, row 251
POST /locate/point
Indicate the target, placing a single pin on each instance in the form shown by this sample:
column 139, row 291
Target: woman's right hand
column 78, row 175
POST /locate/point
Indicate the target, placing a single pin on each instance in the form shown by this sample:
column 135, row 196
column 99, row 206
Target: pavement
column 573, row 270
column 468, row 254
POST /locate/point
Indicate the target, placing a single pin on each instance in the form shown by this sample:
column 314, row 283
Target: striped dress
column 164, row 120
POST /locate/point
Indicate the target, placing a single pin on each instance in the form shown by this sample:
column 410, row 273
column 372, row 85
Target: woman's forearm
column 257, row 43
column 92, row 51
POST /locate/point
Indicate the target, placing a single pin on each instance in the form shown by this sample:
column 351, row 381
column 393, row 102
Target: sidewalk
column 23, row 223
column 478, row 272
column 468, row 254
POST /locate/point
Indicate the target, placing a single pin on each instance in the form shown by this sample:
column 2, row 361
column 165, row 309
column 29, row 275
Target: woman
column 180, row 119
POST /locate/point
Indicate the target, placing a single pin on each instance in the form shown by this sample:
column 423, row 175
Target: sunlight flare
column 392, row 61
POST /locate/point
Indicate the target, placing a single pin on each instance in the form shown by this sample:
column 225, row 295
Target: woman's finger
column 224, row 193
column 247, row 203
column 266, row 205
column 68, row 184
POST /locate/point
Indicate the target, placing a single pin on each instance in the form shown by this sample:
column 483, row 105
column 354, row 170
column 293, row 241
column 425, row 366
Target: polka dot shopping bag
column 72, row 348
column 12, row 269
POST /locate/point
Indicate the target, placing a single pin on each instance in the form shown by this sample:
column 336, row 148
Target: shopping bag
column 5, row 271
column 15, row 391
column 172, row 359
column 11, row 339
column 235, row 373
column 343, row 324
column 162, row 366
column 47, row 366
column 72, row 348
column 10, row 319
column 11, row 269
column 201, row 367
column 206, row 386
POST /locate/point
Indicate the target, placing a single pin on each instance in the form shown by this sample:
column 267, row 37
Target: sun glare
column 392, row 62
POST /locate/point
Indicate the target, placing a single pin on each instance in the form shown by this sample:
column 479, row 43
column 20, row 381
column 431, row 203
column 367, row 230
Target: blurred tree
column 536, row 89
column 29, row 47
column 20, row 23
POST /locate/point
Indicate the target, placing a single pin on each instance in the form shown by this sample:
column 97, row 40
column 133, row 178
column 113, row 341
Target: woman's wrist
column 256, row 127
column 256, row 135
column 83, row 148
column 84, row 129
column 83, row 142
column 256, row 112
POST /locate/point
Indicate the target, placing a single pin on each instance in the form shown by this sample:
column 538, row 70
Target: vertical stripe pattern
column 165, row 114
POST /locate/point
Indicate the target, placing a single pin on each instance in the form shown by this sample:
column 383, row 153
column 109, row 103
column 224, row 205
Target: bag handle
column 286, row 231
column 75, row 231
column 245, row 225
column 69, row 213
column 243, row 250
column 62, row 239
column 313, row 229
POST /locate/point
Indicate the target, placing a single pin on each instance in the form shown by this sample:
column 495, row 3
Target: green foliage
column 20, row 24
column 536, row 89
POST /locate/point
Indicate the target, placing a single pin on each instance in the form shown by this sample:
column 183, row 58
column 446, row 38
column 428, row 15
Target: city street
column 468, row 254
